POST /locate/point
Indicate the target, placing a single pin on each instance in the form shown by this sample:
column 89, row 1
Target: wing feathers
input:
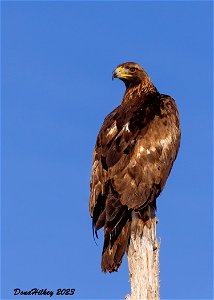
column 141, row 146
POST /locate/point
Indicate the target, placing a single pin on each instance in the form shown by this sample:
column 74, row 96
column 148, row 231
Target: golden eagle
column 133, row 156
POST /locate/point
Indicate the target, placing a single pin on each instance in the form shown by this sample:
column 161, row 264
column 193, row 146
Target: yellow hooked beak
column 120, row 73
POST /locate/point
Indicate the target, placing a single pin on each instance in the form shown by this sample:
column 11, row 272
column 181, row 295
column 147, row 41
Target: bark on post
column 143, row 261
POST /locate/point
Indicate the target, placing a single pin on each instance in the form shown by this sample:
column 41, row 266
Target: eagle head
column 130, row 73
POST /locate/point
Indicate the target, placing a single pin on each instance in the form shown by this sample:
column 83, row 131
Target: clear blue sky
column 57, row 59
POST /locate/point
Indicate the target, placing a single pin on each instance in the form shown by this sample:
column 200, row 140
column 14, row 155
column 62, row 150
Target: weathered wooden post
column 143, row 261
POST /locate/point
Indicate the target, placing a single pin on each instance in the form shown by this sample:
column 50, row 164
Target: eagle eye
column 132, row 69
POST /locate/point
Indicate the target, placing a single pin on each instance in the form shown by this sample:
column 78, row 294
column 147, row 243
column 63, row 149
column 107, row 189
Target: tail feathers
column 113, row 254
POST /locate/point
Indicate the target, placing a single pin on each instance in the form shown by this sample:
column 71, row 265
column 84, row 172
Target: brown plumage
column 133, row 156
